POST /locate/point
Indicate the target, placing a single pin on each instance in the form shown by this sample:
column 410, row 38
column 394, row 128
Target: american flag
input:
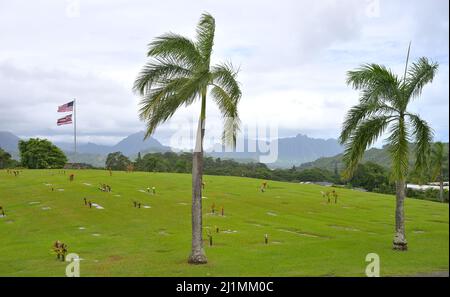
column 66, row 107
column 65, row 120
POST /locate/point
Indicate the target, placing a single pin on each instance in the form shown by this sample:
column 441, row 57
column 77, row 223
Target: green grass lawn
column 307, row 237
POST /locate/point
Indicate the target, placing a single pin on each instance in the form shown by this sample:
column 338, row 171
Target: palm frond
column 159, row 104
column 437, row 160
column 365, row 134
column 360, row 112
column 205, row 37
column 231, row 127
column 228, row 107
column 423, row 135
column 419, row 74
column 175, row 48
column 224, row 75
column 370, row 75
column 153, row 73
column 377, row 84
column 398, row 149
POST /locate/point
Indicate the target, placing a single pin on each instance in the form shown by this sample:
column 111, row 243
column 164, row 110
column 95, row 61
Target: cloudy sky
column 293, row 56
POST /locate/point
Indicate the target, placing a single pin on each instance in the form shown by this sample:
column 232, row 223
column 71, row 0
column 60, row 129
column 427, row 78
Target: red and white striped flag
column 65, row 120
column 66, row 107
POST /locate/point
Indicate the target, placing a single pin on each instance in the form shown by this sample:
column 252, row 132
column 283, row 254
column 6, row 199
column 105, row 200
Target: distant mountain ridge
column 92, row 153
column 291, row 150
column 9, row 142
column 379, row 156
column 130, row 145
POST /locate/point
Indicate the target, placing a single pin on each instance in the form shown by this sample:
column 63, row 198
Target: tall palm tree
column 382, row 108
column 437, row 166
column 180, row 73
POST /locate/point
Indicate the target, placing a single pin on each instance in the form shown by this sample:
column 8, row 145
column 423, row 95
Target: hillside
column 375, row 155
column 307, row 236
column 9, row 142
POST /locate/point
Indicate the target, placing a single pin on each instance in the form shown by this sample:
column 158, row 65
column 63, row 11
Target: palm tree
column 180, row 73
column 382, row 108
column 437, row 164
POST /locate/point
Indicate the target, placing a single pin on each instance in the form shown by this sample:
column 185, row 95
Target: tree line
column 42, row 154
column 369, row 176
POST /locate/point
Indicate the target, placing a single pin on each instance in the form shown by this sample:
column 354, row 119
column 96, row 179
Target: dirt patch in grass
column 163, row 232
column 346, row 228
column 258, row 224
column 438, row 221
column 302, row 233
column 418, row 231
column 115, row 258
column 229, row 231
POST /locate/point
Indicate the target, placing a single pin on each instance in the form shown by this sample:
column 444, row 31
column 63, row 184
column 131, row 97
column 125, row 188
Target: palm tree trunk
column 198, row 254
column 400, row 242
column 441, row 188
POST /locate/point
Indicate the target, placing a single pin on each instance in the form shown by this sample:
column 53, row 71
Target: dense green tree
column 383, row 107
column 156, row 162
column 117, row 161
column 437, row 166
column 370, row 176
column 336, row 171
column 38, row 153
column 5, row 159
column 138, row 163
column 179, row 74
column 316, row 175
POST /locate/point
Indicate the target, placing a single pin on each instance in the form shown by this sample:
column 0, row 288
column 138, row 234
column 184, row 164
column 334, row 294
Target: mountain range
column 129, row 146
column 290, row 150
column 9, row 141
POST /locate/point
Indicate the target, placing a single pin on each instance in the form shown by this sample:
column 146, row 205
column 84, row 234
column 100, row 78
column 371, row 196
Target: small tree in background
column 5, row 159
column 38, row 153
column 437, row 167
column 117, row 161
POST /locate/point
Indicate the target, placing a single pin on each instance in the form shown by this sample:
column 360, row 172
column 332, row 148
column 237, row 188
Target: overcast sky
column 293, row 57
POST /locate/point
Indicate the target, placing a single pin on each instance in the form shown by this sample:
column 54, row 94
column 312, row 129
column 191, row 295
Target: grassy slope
column 308, row 237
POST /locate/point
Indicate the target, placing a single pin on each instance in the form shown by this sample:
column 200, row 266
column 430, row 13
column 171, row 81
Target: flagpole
column 407, row 59
column 75, row 125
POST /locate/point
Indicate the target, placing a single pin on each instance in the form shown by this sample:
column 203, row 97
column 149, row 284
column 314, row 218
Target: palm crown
column 383, row 107
column 180, row 73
